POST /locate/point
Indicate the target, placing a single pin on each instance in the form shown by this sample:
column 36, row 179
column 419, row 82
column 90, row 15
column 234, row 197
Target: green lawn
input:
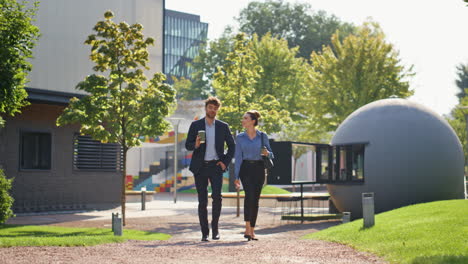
column 435, row 232
column 265, row 190
column 268, row 189
column 16, row 235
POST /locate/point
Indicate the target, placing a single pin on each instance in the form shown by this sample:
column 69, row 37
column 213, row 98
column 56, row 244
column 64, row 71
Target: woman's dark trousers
column 252, row 175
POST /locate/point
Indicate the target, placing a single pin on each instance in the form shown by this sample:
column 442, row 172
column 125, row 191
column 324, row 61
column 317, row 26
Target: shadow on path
column 298, row 227
column 210, row 244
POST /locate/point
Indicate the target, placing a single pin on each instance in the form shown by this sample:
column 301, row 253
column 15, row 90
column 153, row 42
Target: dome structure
column 411, row 155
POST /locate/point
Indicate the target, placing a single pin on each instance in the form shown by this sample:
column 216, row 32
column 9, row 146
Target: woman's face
column 247, row 121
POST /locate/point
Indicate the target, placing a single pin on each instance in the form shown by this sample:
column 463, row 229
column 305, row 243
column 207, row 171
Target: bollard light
column 143, row 198
column 368, row 209
column 346, row 217
column 117, row 224
column 113, row 216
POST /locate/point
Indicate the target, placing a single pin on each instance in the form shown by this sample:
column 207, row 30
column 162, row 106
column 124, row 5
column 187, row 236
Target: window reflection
column 183, row 37
column 324, row 163
column 358, row 162
column 303, row 163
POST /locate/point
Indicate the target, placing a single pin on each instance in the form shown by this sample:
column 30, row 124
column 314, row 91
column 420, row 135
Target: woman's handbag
column 267, row 161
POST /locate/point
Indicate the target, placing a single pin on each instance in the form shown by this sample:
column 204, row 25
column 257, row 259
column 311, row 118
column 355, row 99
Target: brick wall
column 61, row 187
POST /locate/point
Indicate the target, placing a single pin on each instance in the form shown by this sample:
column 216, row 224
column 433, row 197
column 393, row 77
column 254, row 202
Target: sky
column 431, row 35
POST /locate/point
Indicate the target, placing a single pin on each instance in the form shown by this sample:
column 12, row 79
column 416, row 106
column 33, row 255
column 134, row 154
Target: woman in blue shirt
column 249, row 168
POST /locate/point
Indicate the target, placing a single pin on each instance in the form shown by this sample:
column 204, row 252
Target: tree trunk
column 124, row 174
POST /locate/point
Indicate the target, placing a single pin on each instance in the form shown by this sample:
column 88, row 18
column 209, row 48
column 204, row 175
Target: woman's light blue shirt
column 249, row 149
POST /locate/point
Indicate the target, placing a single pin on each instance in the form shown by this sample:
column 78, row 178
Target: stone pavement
column 279, row 241
column 162, row 205
column 161, row 214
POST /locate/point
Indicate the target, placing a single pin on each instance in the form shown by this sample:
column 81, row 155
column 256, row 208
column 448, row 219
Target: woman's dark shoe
column 248, row 237
column 216, row 236
column 253, row 238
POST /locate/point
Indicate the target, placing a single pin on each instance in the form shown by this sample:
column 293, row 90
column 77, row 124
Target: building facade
column 56, row 168
column 183, row 36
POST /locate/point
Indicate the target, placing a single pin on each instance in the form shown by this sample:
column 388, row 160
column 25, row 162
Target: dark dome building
column 409, row 155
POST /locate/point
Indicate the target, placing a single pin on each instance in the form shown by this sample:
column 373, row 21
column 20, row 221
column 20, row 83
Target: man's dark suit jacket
column 222, row 134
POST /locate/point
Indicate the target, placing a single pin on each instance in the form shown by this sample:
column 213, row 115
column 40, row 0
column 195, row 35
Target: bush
column 6, row 201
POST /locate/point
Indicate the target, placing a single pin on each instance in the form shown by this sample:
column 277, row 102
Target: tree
column 297, row 24
column 206, row 64
column 284, row 76
column 458, row 123
column 6, row 201
column 18, row 36
column 234, row 83
column 294, row 22
column 457, row 116
column 123, row 104
column 183, row 89
column 351, row 73
column 462, row 80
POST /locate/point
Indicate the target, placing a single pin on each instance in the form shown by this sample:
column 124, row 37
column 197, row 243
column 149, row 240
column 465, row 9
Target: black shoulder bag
column 267, row 161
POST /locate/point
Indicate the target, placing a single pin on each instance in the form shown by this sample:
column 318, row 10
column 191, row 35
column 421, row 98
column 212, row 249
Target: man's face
column 211, row 110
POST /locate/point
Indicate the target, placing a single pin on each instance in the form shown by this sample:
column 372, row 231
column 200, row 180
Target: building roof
column 36, row 95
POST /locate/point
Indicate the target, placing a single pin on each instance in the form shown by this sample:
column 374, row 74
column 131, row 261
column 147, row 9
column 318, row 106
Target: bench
column 135, row 196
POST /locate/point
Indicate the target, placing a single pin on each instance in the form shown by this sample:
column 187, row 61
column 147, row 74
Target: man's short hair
column 212, row 100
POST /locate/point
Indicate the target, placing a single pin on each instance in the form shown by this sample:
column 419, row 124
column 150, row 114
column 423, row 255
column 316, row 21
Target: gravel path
column 279, row 242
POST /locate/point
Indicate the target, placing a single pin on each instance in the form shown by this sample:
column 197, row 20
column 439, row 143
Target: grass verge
column 435, row 232
column 268, row 189
column 265, row 190
column 28, row 235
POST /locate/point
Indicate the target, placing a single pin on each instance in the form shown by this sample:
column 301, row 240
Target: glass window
column 342, row 164
column 349, row 163
column 358, row 162
column 324, row 164
column 183, row 41
column 303, row 163
column 35, row 150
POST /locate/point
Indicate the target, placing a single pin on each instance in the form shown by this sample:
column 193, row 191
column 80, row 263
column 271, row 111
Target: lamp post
column 175, row 123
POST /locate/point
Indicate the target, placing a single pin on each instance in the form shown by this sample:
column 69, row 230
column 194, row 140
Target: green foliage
column 458, row 123
column 305, row 130
column 235, row 85
column 433, row 232
column 351, row 73
column 27, row 236
column 122, row 104
column 284, row 76
column 17, row 39
column 183, row 88
column 462, row 80
column 458, row 114
column 296, row 23
column 6, row 201
column 206, row 64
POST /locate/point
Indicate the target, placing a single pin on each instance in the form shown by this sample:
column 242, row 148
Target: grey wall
column 61, row 187
column 61, row 59
column 412, row 156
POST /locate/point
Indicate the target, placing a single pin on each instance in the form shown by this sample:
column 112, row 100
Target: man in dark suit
column 209, row 161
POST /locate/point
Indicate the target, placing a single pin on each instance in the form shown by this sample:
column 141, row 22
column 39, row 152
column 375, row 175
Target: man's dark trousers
column 208, row 171
column 213, row 173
